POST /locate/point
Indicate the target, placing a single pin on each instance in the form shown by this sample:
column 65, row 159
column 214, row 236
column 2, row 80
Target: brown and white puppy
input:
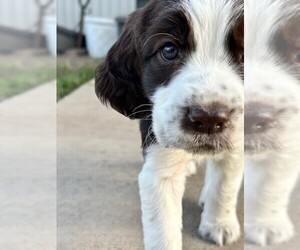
column 178, row 68
column 272, row 106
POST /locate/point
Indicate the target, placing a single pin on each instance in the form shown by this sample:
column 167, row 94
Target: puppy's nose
column 208, row 122
column 258, row 124
column 259, row 118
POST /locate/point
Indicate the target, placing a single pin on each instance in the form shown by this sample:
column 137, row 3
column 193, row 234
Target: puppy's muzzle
column 208, row 121
column 259, row 118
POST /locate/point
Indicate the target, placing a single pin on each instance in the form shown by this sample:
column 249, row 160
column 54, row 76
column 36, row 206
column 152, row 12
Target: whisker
column 148, row 135
column 140, row 111
column 148, row 116
column 152, row 142
column 142, row 105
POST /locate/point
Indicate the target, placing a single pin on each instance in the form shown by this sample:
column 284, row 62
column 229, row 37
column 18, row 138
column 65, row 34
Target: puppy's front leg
column 268, row 185
column 161, row 183
column 219, row 221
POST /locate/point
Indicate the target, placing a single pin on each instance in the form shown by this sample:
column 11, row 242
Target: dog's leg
column 219, row 221
column 205, row 187
column 161, row 183
column 268, row 185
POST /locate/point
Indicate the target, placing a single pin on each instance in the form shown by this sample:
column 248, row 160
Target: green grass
column 70, row 77
column 15, row 80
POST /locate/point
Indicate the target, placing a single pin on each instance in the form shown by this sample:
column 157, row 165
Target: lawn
column 25, row 69
column 71, row 75
column 15, row 80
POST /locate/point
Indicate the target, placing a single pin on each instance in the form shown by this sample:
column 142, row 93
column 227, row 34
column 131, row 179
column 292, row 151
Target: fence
column 23, row 14
column 68, row 10
column 20, row 14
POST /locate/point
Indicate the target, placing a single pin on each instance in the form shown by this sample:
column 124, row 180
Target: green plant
column 15, row 80
column 71, row 77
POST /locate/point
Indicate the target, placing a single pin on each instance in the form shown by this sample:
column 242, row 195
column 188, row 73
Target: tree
column 83, row 7
column 42, row 10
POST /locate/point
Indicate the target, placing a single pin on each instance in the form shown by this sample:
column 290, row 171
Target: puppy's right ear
column 291, row 43
column 118, row 79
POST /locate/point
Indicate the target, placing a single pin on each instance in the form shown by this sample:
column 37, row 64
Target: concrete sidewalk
column 99, row 158
column 28, row 170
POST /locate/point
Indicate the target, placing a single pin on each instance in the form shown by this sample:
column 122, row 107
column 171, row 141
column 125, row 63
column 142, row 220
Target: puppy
column 178, row 68
column 272, row 105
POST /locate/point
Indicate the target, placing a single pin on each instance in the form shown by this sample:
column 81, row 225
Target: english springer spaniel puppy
column 272, row 106
column 178, row 67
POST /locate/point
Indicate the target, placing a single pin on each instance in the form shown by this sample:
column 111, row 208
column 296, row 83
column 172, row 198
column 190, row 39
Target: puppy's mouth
column 207, row 149
column 262, row 142
column 202, row 144
column 264, row 126
column 257, row 144
column 208, row 129
column 258, row 135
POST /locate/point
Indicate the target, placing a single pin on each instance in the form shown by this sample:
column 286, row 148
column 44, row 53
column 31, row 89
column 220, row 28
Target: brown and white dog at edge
column 178, row 68
column 272, row 106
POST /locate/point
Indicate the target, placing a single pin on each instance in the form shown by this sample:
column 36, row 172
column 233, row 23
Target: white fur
column 201, row 81
column 219, row 222
column 162, row 182
column 270, row 175
column 161, row 185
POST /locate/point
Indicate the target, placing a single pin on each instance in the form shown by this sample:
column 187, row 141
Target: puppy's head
column 272, row 77
column 181, row 62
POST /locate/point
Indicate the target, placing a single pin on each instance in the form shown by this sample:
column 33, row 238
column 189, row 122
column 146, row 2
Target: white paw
column 223, row 233
column 269, row 234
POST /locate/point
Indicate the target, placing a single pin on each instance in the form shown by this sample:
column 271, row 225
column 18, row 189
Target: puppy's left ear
column 119, row 78
column 290, row 43
column 238, row 40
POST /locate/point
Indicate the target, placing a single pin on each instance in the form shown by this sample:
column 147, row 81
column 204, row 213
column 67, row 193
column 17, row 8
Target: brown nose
column 208, row 123
column 259, row 118
column 258, row 124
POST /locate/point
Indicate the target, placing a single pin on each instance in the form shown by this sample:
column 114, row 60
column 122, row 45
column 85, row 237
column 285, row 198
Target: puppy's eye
column 169, row 52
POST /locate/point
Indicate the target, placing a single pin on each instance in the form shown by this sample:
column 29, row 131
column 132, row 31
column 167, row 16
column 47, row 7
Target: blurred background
column 86, row 29
column 27, row 47
column 271, row 134
column 28, row 124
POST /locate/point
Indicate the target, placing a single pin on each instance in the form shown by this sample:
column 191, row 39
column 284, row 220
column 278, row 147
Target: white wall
column 20, row 14
column 23, row 14
column 68, row 10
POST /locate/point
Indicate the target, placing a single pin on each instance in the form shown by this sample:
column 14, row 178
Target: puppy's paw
column 270, row 233
column 223, row 233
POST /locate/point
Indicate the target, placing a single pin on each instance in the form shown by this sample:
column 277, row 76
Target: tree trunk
column 80, row 33
column 42, row 10
column 83, row 7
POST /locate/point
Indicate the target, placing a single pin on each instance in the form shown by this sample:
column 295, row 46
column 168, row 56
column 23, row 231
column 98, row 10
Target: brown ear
column 288, row 41
column 291, row 33
column 236, row 43
column 118, row 79
column 238, row 35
